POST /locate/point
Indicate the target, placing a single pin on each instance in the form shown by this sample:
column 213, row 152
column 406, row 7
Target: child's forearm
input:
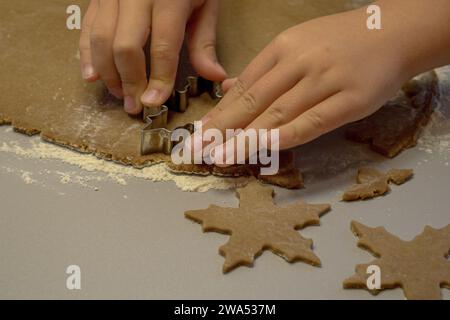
column 420, row 29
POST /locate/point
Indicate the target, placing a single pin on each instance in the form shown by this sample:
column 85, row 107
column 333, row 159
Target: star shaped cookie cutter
column 155, row 137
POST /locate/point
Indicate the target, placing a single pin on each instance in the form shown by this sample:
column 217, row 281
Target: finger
column 252, row 103
column 309, row 92
column 202, row 42
column 168, row 29
column 87, row 69
column 305, row 94
column 237, row 150
column 257, row 99
column 328, row 115
column 131, row 35
column 228, row 84
column 102, row 37
column 262, row 64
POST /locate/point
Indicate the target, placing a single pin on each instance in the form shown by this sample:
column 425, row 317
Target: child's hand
column 313, row 78
column 115, row 32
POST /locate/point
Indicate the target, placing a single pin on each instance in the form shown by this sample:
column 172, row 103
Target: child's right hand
column 115, row 31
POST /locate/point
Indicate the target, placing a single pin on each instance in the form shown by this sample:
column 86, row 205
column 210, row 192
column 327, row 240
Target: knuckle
column 295, row 136
column 324, row 55
column 315, row 119
column 124, row 49
column 249, row 103
column 99, row 39
column 276, row 115
column 163, row 51
column 128, row 82
column 218, row 109
column 239, row 87
column 282, row 40
column 83, row 45
column 208, row 45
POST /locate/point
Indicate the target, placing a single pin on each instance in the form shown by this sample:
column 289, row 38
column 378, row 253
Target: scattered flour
column 107, row 170
column 435, row 140
column 436, row 137
column 27, row 177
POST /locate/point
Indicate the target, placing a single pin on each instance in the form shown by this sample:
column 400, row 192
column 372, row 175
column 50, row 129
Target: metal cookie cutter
column 155, row 137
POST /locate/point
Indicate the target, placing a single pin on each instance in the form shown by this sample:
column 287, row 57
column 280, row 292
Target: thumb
column 201, row 35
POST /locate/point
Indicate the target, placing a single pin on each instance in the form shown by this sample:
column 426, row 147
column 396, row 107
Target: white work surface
column 132, row 241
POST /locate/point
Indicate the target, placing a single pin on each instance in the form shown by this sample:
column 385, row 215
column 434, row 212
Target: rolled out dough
column 42, row 91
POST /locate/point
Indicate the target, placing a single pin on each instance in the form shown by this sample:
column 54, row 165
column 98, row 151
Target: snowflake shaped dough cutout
column 258, row 225
column 420, row 266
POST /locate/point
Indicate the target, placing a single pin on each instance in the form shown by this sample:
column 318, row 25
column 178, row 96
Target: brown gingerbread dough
column 372, row 183
column 42, row 92
column 420, row 266
column 258, row 224
column 397, row 125
column 288, row 176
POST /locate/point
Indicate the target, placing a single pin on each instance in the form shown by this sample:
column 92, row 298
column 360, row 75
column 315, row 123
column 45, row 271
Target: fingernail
column 197, row 146
column 208, row 155
column 217, row 155
column 150, row 97
column 196, row 142
column 187, row 145
column 229, row 153
column 129, row 104
column 88, row 72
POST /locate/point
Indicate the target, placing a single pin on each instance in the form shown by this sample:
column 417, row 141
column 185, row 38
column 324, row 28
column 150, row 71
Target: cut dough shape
column 258, row 224
column 372, row 183
column 420, row 266
column 288, row 176
column 397, row 125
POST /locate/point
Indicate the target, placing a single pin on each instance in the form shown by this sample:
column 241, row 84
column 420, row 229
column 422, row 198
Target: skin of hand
column 114, row 34
column 322, row 74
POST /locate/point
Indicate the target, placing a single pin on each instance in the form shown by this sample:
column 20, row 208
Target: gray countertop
column 132, row 241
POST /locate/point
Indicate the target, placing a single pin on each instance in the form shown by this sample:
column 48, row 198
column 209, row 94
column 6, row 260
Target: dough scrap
column 258, row 224
column 372, row 183
column 398, row 124
column 420, row 266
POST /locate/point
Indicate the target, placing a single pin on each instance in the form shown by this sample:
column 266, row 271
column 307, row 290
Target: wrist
column 419, row 31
